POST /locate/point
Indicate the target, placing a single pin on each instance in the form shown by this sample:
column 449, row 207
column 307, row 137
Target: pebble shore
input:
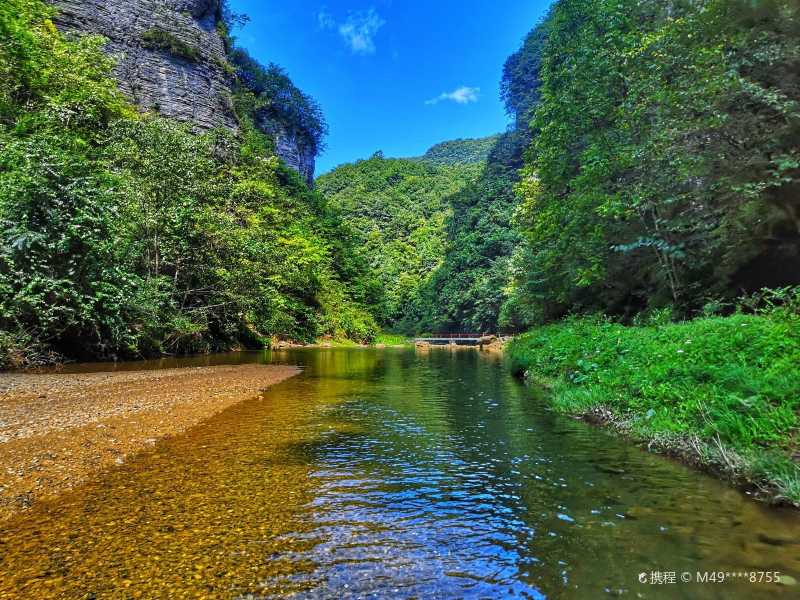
column 57, row 430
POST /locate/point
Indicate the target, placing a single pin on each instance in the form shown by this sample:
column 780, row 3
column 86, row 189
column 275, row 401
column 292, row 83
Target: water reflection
column 391, row 473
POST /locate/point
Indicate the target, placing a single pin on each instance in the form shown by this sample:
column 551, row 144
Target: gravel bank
column 58, row 430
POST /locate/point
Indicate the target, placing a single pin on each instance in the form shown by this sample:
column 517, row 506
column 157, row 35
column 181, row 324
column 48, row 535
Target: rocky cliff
column 172, row 60
column 291, row 147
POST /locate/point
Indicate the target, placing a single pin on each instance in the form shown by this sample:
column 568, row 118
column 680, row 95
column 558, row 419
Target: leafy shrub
column 777, row 302
column 21, row 350
column 59, row 277
column 160, row 39
column 345, row 320
column 279, row 99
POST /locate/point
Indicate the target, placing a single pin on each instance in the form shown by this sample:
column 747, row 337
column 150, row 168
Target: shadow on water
column 395, row 474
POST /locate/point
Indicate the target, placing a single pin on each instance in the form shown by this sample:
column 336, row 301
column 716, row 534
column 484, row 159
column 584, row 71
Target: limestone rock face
column 190, row 87
column 290, row 147
column 171, row 60
column 296, row 155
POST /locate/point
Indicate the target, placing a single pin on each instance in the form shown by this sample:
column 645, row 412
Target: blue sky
column 393, row 75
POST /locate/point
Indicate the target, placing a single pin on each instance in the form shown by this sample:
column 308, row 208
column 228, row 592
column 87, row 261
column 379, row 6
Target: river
column 396, row 473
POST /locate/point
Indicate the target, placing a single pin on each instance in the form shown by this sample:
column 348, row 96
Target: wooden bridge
column 458, row 339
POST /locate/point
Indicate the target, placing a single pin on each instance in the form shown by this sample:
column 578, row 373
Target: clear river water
column 398, row 474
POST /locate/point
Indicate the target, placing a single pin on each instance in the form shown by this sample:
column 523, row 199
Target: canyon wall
column 171, row 59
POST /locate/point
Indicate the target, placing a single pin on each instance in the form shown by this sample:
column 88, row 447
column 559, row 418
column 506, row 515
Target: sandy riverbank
column 58, row 430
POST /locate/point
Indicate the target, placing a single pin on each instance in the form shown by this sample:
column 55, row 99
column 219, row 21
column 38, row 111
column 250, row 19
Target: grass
column 391, row 339
column 721, row 392
column 382, row 339
column 159, row 39
column 338, row 343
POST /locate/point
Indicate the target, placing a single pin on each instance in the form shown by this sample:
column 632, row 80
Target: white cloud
column 462, row 95
column 326, row 20
column 358, row 31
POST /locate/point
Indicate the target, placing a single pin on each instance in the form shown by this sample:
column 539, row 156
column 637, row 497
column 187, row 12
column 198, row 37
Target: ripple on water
column 390, row 474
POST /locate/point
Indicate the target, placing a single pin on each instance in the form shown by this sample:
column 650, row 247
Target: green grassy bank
column 392, row 339
column 722, row 392
column 380, row 339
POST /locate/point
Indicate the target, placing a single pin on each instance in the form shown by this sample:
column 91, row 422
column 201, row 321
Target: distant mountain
column 397, row 210
column 461, row 151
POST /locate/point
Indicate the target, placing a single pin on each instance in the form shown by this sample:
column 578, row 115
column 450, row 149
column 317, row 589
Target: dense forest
column 399, row 210
column 652, row 164
column 126, row 234
column 664, row 169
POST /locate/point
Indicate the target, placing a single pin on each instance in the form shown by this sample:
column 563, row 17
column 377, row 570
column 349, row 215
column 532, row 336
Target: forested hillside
column 459, row 277
column 398, row 209
column 127, row 235
column 665, row 164
column 654, row 163
column 461, row 152
column 469, row 290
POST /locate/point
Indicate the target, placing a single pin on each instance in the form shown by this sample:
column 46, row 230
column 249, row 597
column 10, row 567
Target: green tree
column 663, row 163
column 397, row 210
column 59, row 280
